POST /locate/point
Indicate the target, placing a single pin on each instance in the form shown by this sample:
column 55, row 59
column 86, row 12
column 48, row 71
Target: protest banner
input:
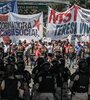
column 22, row 27
column 73, row 21
column 4, row 18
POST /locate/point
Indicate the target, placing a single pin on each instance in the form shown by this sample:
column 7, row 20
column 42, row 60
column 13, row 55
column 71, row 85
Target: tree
column 82, row 3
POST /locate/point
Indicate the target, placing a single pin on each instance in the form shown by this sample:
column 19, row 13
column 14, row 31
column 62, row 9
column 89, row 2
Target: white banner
column 23, row 27
column 74, row 21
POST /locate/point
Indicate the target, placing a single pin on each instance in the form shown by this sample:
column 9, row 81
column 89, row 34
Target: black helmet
column 46, row 66
column 62, row 62
column 55, row 66
column 21, row 65
column 82, row 65
column 27, row 76
column 40, row 60
column 10, row 68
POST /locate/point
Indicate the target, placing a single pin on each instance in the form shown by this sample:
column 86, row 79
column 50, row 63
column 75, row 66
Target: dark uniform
column 9, row 85
column 24, row 77
column 45, row 84
column 35, row 72
column 62, row 77
column 7, row 93
column 80, row 82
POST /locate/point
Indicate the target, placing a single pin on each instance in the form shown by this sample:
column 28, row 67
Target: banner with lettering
column 4, row 18
column 74, row 21
column 22, row 27
column 7, row 7
column 83, row 21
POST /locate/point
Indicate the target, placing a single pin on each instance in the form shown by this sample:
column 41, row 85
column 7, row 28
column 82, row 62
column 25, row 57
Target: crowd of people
column 49, row 76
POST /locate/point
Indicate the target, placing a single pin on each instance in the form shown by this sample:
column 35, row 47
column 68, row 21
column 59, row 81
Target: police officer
column 62, row 78
column 45, row 83
column 8, row 84
column 80, row 82
column 26, row 82
column 58, row 78
column 38, row 68
column 24, row 77
column 35, row 72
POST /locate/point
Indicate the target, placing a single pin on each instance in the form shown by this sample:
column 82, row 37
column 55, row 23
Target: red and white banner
column 73, row 21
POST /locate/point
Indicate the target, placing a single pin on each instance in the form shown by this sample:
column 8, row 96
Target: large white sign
column 74, row 21
column 22, row 27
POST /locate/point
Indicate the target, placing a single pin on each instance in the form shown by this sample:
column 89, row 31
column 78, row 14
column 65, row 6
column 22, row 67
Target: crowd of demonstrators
column 50, row 63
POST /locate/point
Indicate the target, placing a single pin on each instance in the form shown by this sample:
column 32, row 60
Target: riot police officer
column 80, row 82
column 37, row 68
column 35, row 72
column 9, row 83
column 62, row 78
column 24, row 77
column 45, row 83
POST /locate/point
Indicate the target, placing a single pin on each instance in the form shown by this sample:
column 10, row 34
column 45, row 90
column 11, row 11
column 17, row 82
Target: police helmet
column 10, row 68
column 46, row 66
column 55, row 66
column 21, row 65
column 27, row 76
column 40, row 60
column 82, row 65
column 62, row 62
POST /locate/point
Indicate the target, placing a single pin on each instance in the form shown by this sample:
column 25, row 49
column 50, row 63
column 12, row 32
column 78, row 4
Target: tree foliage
column 82, row 3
